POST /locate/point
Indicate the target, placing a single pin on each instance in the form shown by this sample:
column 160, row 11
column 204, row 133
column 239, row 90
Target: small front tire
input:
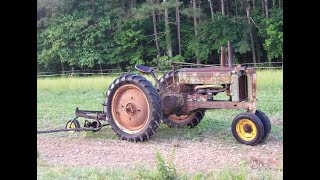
column 247, row 128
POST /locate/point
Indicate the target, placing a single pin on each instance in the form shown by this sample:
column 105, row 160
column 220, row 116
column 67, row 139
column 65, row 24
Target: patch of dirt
column 189, row 156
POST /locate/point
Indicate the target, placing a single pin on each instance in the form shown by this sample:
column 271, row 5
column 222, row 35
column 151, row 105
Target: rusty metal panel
column 234, row 88
column 204, row 77
column 197, row 97
column 243, row 88
column 238, row 86
column 207, row 69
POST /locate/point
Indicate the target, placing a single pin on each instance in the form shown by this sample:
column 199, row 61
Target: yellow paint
column 240, row 128
column 73, row 126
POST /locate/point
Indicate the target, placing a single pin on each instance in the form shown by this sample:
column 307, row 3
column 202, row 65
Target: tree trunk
column 222, row 8
column 124, row 9
column 132, row 4
column 159, row 13
column 264, row 13
column 93, row 3
column 273, row 3
column 227, row 7
column 155, row 32
column 258, row 53
column 212, row 16
column 100, row 68
column 251, row 35
column 235, row 2
column 178, row 29
column 211, row 8
column 222, row 48
column 118, row 66
column 253, row 4
column 266, row 8
column 199, row 12
column 167, row 29
column 62, row 67
column 194, row 5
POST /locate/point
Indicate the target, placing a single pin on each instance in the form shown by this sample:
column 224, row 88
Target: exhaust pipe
column 230, row 54
column 222, row 61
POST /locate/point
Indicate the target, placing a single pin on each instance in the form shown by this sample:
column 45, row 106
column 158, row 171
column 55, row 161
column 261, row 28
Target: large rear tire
column 191, row 120
column 133, row 107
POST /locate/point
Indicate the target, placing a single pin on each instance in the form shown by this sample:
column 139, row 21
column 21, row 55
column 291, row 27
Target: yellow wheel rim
column 246, row 129
column 73, row 126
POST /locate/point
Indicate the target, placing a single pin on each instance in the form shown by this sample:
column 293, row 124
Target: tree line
column 98, row 34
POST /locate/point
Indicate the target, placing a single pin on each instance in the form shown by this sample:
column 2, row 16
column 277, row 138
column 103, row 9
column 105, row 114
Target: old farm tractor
column 134, row 108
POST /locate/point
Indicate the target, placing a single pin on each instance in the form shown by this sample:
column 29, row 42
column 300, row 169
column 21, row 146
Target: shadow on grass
column 215, row 125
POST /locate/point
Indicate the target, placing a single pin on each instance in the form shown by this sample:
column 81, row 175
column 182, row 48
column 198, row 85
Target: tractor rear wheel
column 190, row 120
column 133, row 107
column 247, row 128
column 173, row 120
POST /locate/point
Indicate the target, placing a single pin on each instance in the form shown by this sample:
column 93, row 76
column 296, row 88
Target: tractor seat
column 143, row 69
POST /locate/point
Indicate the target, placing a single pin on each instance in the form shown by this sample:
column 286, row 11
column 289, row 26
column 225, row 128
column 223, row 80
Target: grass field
column 57, row 99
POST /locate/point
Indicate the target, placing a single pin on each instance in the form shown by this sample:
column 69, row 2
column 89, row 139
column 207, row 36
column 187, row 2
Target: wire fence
column 161, row 69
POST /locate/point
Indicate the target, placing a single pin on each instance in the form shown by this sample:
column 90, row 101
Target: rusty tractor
column 134, row 108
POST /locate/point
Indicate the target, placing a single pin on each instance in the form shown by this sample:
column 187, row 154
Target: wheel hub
column 247, row 128
column 131, row 109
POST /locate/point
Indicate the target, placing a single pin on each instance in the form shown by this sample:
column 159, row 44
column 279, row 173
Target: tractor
column 134, row 108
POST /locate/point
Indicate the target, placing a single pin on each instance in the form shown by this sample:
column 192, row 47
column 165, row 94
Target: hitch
column 96, row 115
column 74, row 125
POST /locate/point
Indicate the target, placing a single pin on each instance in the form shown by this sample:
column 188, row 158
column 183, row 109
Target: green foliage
column 145, row 9
column 271, row 31
column 118, row 33
column 165, row 170
column 226, row 29
column 128, row 47
column 274, row 34
column 228, row 173
column 76, row 39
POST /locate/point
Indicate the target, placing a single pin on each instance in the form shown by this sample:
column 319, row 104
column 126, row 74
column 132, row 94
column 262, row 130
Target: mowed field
column 208, row 151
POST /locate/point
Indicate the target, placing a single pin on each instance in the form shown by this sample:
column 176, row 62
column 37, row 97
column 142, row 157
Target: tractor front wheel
column 133, row 107
column 247, row 128
column 266, row 123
